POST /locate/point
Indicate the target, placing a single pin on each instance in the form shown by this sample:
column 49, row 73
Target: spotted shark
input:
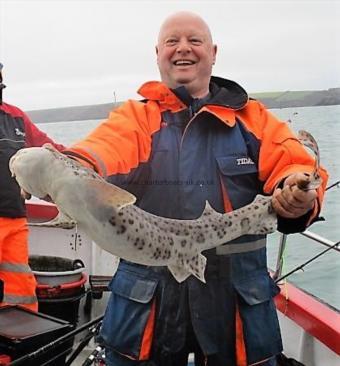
column 107, row 214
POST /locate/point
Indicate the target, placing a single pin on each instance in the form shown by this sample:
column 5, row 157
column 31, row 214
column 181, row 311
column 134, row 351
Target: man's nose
column 184, row 46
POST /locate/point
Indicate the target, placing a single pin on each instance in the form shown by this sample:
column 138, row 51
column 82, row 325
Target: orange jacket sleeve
column 121, row 142
column 281, row 153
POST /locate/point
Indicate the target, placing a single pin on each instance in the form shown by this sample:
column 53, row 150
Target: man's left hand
column 290, row 201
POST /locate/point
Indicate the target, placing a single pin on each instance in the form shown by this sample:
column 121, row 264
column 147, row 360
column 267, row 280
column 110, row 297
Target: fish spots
column 166, row 254
column 200, row 238
column 112, row 221
column 221, row 233
column 157, row 254
column 139, row 243
column 130, row 221
column 245, row 223
column 121, row 229
column 183, row 243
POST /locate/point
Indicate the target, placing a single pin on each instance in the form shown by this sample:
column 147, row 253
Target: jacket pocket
column 130, row 315
column 259, row 319
column 256, row 290
column 239, row 176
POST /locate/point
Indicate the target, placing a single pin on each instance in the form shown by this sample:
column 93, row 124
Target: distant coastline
column 285, row 99
column 305, row 98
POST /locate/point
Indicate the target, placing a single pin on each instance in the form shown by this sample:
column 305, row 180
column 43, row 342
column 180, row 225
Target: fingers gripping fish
column 107, row 214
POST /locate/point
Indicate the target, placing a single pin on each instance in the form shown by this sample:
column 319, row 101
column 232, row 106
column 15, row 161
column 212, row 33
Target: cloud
column 60, row 53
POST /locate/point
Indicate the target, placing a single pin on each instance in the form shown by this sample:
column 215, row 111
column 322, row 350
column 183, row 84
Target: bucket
column 54, row 271
column 5, row 360
column 60, row 285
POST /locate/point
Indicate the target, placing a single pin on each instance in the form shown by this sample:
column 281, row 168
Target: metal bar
column 279, row 261
column 320, row 239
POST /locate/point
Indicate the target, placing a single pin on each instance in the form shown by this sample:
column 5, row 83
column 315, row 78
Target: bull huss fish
column 107, row 214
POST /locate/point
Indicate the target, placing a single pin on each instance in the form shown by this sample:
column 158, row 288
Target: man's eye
column 171, row 41
column 196, row 41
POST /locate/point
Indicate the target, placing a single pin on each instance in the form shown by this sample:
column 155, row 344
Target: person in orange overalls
column 17, row 282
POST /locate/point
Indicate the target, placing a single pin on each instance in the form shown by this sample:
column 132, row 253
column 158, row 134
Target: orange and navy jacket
column 162, row 145
column 16, row 132
column 174, row 153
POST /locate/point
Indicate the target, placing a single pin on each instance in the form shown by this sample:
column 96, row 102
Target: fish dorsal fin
column 208, row 210
column 111, row 194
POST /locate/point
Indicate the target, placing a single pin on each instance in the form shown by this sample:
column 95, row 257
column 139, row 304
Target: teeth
column 184, row 62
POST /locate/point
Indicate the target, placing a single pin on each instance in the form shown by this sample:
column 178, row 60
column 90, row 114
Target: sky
column 67, row 52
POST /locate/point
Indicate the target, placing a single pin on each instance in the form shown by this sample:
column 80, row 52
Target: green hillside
column 277, row 99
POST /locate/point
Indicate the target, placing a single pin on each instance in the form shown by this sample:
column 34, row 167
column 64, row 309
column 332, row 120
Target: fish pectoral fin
column 111, row 194
column 195, row 266
column 180, row 273
column 60, row 221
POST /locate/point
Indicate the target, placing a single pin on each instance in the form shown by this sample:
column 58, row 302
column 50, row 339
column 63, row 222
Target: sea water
column 321, row 277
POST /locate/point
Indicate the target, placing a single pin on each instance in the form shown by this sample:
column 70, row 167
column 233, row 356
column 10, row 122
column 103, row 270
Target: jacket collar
column 223, row 93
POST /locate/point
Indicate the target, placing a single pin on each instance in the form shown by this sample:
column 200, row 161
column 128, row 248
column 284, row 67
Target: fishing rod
column 336, row 184
column 308, row 234
column 55, row 343
column 307, row 262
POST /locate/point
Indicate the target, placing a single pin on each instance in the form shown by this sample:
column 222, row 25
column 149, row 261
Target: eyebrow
column 176, row 35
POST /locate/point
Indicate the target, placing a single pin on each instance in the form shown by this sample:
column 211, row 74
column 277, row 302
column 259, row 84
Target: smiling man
column 196, row 138
column 186, row 54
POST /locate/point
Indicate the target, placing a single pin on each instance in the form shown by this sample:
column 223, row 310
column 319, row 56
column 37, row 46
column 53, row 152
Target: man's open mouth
column 183, row 62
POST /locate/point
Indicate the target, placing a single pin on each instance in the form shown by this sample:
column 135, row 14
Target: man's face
column 185, row 54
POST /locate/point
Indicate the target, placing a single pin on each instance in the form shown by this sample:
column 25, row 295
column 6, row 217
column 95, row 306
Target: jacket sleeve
column 282, row 154
column 121, row 142
column 36, row 137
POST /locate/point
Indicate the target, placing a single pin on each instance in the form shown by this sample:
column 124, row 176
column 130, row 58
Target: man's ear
column 156, row 48
column 214, row 53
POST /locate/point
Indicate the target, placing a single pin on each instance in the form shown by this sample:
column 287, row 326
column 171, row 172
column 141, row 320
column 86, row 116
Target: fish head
column 28, row 166
column 313, row 180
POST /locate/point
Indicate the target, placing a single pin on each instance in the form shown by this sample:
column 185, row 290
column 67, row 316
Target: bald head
column 183, row 17
column 186, row 53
